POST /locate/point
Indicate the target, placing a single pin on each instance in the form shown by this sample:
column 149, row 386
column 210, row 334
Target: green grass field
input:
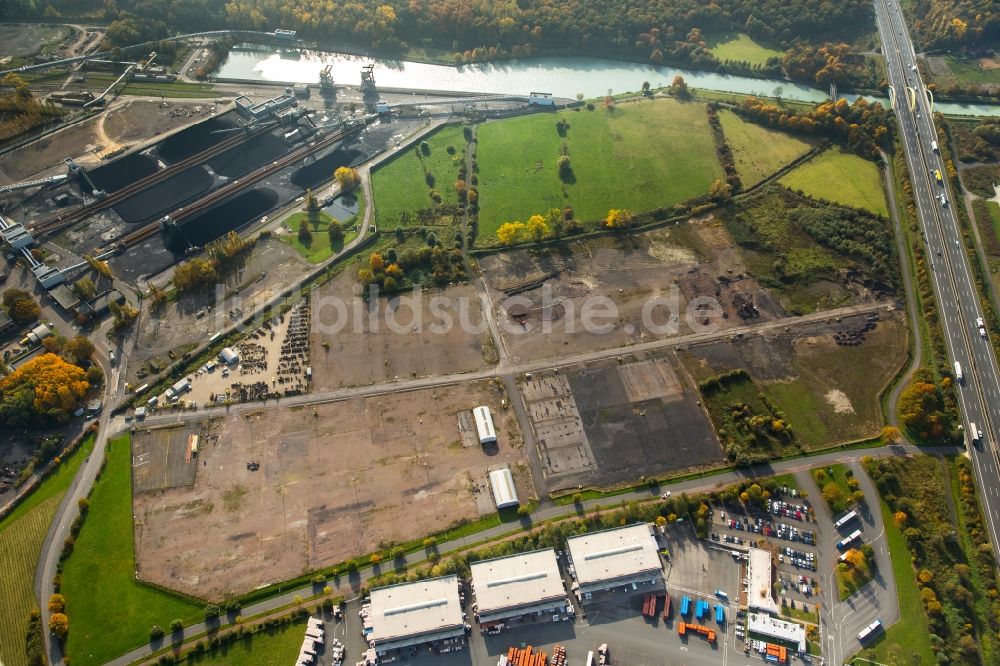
column 994, row 209
column 759, row 151
column 840, row 176
column 21, row 537
column 741, row 48
column 641, row 156
column 400, row 185
column 907, row 641
column 280, row 646
column 109, row 611
column 320, row 249
column 836, row 474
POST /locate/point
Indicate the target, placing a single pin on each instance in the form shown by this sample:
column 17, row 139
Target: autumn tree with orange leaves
column 44, row 388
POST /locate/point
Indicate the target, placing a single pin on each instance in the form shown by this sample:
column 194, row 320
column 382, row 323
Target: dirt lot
column 24, row 40
column 333, row 483
column 366, row 350
column 611, row 423
column 829, row 392
column 129, row 122
column 190, row 320
column 543, row 297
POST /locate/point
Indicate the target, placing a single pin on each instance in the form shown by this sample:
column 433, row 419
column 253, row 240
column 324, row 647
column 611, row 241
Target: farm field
column 21, row 537
column 278, row 646
column 668, row 144
column 811, row 380
column 984, row 71
column 401, row 186
column 110, row 612
column 759, row 151
column 842, row 177
column 741, row 48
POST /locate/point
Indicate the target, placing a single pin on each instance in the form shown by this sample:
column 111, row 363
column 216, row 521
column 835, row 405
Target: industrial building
column 484, row 425
column 400, row 616
column 266, row 109
column 763, row 627
column 519, row 587
column 622, row 557
column 504, row 493
column 759, row 582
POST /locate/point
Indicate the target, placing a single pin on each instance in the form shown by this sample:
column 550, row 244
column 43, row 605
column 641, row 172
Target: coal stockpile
column 222, row 219
column 164, row 197
column 193, row 140
column 323, row 168
column 253, row 154
column 116, row 175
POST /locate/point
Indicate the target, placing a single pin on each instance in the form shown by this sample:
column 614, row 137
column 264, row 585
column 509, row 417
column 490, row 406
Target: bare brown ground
column 333, row 483
column 366, row 349
column 544, row 315
column 139, row 120
column 192, row 319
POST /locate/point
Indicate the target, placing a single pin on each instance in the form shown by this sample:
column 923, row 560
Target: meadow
column 842, row 177
column 110, row 611
column 741, row 48
column 759, row 151
column 639, row 155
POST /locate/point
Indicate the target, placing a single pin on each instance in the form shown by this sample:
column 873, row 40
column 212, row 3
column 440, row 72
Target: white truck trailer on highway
column 958, row 371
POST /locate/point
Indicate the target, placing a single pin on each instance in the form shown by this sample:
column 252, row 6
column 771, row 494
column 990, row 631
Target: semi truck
column 844, row 543
column 845, row 519
column 974, row 434
column 870, row 631
column 958, row 371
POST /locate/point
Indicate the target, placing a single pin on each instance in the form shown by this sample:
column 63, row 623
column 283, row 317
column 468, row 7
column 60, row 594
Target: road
column 349, row 587
column 979, row 392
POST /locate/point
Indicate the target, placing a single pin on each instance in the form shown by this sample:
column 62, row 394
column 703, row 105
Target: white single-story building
column 516, row 586
column 484, row 425
column 410, row 614
column 504, row 492
column 622, row 557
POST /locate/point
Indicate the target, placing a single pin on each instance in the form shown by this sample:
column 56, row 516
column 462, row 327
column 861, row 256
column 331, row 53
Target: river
column 560, row 76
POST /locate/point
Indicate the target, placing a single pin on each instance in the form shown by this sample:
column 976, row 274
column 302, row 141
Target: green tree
column 305, row 236
column 312, row 212
column 21, row 307
column 336, row 233
column 79, row 349
column 195, row 273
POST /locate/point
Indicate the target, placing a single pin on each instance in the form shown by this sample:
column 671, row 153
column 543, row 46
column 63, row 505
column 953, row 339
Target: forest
column 670, row 31
column 941, row 23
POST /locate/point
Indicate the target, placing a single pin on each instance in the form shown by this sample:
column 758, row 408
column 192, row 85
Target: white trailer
column 958, row 371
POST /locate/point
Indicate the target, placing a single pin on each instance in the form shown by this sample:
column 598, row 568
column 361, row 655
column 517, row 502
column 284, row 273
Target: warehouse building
column 428, row 611
column 763, row 627
column 525, row 587
column 504, row 492
column 484, row 425
column 759, row 582
column 624, row 557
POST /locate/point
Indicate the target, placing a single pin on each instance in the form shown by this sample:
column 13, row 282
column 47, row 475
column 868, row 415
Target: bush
column 156, row 632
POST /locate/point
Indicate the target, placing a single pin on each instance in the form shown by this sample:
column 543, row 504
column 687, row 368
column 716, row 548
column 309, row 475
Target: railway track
column 62, row 221
column 244, row 183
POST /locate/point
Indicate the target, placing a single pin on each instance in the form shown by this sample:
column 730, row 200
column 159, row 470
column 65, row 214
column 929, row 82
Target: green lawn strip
column 994, row 209
column 840, row 176
column 907, row 641
column 798, row 614
column 759, row 151
column 662, row 152
column 278, row 645
column 400, row 185
column 980, row 587
column 21, row 535
column 109, row 611
column 741, row 48
column 319, row 249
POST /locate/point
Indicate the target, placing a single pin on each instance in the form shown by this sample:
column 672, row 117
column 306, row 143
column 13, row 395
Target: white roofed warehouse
column 760, row 588
column 524, row 586
column 484, row 425
column 504, row 492
column 427, row 611
column 615, row 558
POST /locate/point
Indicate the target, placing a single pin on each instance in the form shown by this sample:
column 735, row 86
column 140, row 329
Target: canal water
column 560, row 76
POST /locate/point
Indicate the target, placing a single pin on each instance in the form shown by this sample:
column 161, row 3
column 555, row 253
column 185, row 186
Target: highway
column 979, row 391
